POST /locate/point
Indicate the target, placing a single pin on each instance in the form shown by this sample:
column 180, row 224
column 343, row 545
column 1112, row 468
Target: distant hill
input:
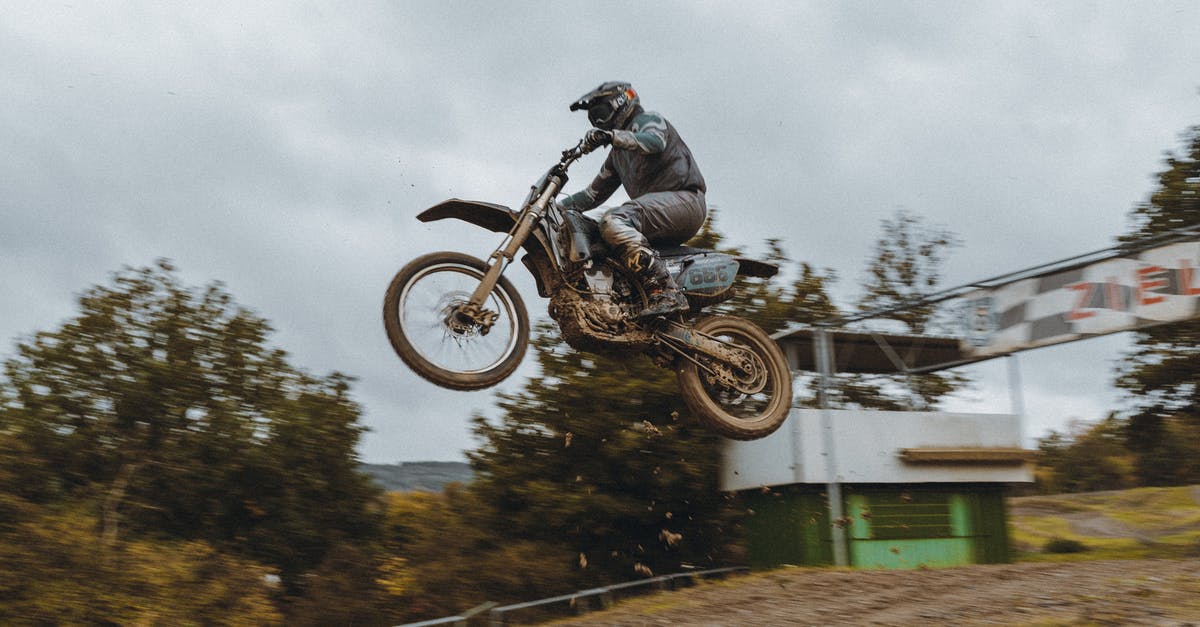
column 427, row 476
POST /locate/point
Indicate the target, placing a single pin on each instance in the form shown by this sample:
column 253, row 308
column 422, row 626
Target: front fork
column 474, row 310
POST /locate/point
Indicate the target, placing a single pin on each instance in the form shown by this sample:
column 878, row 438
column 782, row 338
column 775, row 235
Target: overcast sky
column 285, row 148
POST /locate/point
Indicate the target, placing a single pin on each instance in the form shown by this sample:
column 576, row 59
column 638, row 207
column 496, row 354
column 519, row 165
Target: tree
column 770, row 303
column 1162, row 373
column 599, row 456
column 164, row 407
column 444, row 553
column 1087, row 458
column 57, row 571
column 773, row 305
column 906, row 267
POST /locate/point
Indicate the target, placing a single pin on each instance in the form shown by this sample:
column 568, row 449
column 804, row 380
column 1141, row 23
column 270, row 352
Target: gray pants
column 654, row 219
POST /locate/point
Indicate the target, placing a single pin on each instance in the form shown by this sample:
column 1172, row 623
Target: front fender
column 499, row 219
column 493, row 217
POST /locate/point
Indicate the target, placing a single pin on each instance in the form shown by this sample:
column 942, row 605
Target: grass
column 1141, row 523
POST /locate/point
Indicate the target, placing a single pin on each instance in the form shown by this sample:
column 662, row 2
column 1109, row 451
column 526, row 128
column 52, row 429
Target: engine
column 595, row 311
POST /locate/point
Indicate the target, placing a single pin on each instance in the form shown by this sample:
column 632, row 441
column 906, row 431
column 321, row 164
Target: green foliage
column 905, row 268
column 22, row 476
column 445, row 553
column 1166, row 447
column 1176, row 202
column 57, row 570
column 1139, row 523
column 344, row 589
column 599, row 455
column 1112, row 455
column 766, row 302
column 1088, row 458
column 164, row 407
column 598, row 462
column 1162, row 373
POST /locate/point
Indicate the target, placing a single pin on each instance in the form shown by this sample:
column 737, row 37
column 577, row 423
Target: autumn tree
column 596, row 466
column 1086, row 457
column 904, row 269
column 778, row 302
column 1162, row 372
column 599, row 456
column 445, row 553
column 164, row 407
column 57, row 571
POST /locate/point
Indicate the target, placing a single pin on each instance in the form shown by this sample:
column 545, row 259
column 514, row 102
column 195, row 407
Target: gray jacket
column 648, row 155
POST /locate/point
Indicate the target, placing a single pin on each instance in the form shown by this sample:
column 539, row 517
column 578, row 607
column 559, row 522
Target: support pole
column 833, row 487
column 1015, row 394
column 794, row 427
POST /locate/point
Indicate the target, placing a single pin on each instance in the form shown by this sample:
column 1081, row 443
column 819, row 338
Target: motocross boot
column 662, row 294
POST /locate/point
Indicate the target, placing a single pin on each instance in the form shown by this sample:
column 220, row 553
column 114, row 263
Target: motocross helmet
column 609, row 105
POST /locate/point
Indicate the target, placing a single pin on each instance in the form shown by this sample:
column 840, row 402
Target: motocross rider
column 666, row 191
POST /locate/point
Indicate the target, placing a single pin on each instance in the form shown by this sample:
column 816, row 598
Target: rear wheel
column 431, row 327
column 744, row 400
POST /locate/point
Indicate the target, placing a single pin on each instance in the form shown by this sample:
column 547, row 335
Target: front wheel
column 744, row 400
column 433, row 330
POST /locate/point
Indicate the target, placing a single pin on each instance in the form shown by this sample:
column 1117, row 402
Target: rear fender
column 755, row 268
column 746, row 267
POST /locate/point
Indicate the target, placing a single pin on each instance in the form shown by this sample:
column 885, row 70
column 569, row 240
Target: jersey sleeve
column 647, row 135
column 601, row 187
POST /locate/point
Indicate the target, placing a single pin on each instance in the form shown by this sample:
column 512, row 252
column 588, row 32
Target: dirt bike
column 459, row 323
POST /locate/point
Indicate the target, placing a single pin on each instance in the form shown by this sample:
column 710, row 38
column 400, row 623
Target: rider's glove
column 596, row 138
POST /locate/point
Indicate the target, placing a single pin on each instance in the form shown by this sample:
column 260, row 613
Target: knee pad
column 639, row 259
column 619, row 228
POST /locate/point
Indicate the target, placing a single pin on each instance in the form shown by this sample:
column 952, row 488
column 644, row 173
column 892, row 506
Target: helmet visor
column 602, row 113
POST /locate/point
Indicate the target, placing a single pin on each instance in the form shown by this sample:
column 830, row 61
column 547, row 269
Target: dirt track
column 1140, row 592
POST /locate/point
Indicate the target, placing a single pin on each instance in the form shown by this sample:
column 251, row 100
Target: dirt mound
column 1101, row 526
column 1136, row 592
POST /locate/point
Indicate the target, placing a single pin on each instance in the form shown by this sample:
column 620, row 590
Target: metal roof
column 873, row 352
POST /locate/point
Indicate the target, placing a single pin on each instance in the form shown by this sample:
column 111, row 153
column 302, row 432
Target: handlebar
column 572, row 154
column 558, row 172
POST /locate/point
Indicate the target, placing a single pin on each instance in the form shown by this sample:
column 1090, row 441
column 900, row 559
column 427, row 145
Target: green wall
column 887, row 526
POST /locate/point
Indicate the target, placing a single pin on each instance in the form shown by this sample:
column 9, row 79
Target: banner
column 1155, row 286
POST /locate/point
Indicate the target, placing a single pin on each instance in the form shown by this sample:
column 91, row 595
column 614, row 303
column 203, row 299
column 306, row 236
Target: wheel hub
column 464, row 318
column 746, row 374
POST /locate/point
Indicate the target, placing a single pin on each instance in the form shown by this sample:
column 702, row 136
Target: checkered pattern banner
column 1156, row 286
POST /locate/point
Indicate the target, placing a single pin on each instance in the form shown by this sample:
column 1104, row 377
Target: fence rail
column 581, row 601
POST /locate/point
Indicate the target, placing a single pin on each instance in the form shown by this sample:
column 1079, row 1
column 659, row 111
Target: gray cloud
column 285, row 149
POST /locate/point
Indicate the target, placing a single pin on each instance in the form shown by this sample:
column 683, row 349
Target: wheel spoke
column 747, row 394
column 752, row 395
column 426, row 308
